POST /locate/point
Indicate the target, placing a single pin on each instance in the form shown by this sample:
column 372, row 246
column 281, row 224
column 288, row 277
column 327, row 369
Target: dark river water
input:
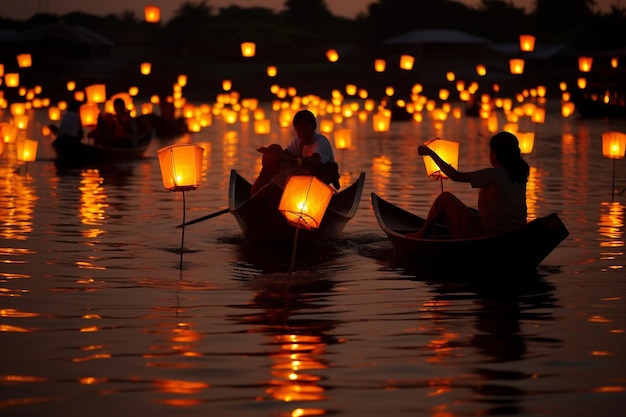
column 98, row 318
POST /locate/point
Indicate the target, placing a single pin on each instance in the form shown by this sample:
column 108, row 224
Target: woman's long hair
column 507, row 152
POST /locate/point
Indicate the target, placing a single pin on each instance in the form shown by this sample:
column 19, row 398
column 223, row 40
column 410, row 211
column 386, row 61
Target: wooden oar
column 203, row 218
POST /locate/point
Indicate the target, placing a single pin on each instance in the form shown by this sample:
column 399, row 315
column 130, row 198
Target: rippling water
column 98, row 317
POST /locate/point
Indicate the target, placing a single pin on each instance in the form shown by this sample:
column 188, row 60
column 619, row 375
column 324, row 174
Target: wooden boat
column 259, row 218
column 90, row 152
column 520, row 249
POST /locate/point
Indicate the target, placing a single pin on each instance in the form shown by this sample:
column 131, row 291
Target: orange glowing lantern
column 613, row 147
column 343, row 139
column 12, row 79
column 145, row 68
column 96, row 93
column 89, row 114
column 582, row 83
column 1, row 70
column 526, row 141
column 614, row 62
column 24, row 60
column 584, row 63
column 380, row 121
column 304, row 201
column 567, row 108
column 152, row 14
column 21, row 121
column 516, row 66
column 526, row 43
column 71, row 85
column 248, row 49
column 227, row 85
column 181, row 166
column 406, row 62
column 332, row 55
column 481, row 70
column 182, row 80
column 262, row 126
column 272, row 71
column 380, row 65
column 447, row 150
column 538, row 115
column 27, row 150
column 17, row 109
column 444, row 94
column 54, row 113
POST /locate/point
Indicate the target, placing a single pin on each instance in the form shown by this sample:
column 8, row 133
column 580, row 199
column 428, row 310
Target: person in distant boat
column 70, row 130
column 501, row 199
column 116, row 129
column 310, row 152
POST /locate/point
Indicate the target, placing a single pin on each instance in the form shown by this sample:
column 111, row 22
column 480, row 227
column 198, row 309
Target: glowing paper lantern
column 12, row 79
column 152, row 14
column 262, row 126
column 21, row 121
column 24, row 60
column 447, row 150
column 332, row 55
column 71, row 85
column 248, row 49
column 516, row 66
column 381, row 121
column 96, row 93
column 304, row 201
column 538, row 115
column 145, row 68
column 272, row 71
column 584, row 63
column 526, row 43
column 89, row 114
column 380, row 65
column 481, row 70
column 406, row 62
column 54, row 113
column 181, row 166
column 582, row 83
column 227, row 85
column 613, row 145
column 27, row 150
column 526, row 141
column 182, row 80
column 343, row 138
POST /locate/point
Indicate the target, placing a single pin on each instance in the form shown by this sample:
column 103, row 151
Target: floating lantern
column 614, row 62
column 89, row 114
column 381, row 121
column 54, row 113
column 526, row 43
column 17, row 109
column 21, row 121
column 567, row 109
column 182, row 80
column 304, row 201
column 96, row 93
column 380, row 65
column 24, row 60
column 145, row 68
column 227, row 85
column 406, row 62
column 181, row 166
column 272, row 71
column 248, row 49
column 450, row 76
column 516, row 66
column 27, row 150
column 526, row 141
column 538, row 115
column 444, row 94
column 12, row 79
column 1, row 70
column 152, row 14
column 613, row 147
column 332, row 55
column 447, row 150
column 481, row 70
column 584, row 63
column 262, row 126
column 343, row 139
column 582, row 83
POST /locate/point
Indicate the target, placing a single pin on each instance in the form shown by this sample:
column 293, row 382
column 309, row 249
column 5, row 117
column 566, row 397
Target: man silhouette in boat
column 310, row 152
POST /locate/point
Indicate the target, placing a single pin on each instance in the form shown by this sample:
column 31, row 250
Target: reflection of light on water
column 93, row 201
column 17, row 199
column 381, row 166
column 231, row 148
column 611, row 229
column 298, row 353
column 534, row 189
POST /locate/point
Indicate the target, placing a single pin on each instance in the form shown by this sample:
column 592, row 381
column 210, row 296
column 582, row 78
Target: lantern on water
column 54, row 113
column 152, row 14
column 262, row 126
column 96, row 93
column 582, row 83
column 406, row 62
column 181, row 80
column 181, row 166
column 526, row 141
column 567, row 108
column 1, row 70
column 272, row 71
column 89, row 114
column 584, row 63
column 12, row 79
column 448, row 151
column 21, row 121
column 613, row 144
column 516, row 66
column 538, row 115
column 526, row 43
column 227, row 85
column 481, row 70
column 380, row 121
column 24, row 60
column 304, row 201
column 145, row 68
column 248, row 49
column 343, row 139
column 380, row 65
column 26, row 150
column 71, row 85
column 332, row 55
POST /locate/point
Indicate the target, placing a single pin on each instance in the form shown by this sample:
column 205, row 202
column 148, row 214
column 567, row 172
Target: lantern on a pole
column 613, row 147
column 304, row 203
column 181, row 169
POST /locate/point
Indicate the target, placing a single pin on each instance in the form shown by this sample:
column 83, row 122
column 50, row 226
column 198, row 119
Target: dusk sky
column 23, row 9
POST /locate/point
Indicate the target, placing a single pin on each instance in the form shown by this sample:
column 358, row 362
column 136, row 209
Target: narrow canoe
column 260, row 220
column 521, row 249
